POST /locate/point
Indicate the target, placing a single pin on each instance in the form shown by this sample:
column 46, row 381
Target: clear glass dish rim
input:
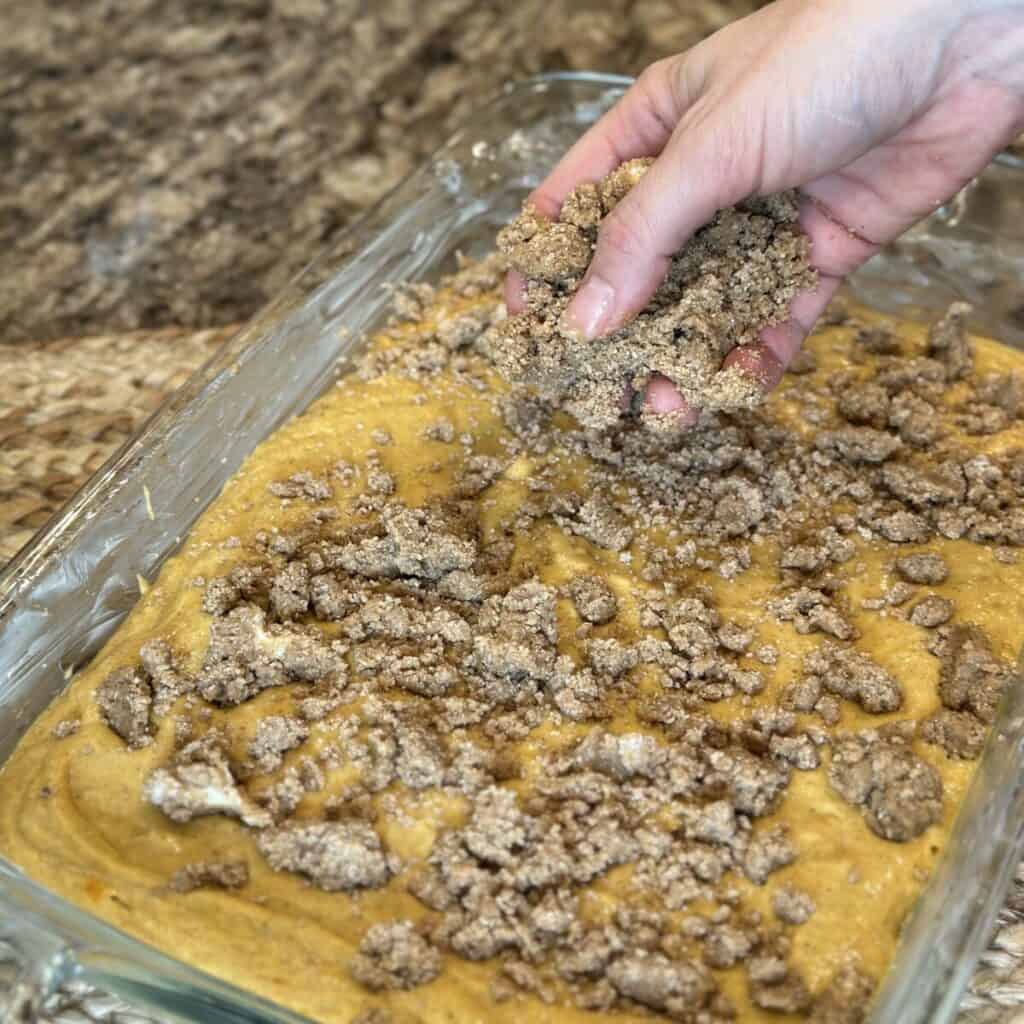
column 74, row 942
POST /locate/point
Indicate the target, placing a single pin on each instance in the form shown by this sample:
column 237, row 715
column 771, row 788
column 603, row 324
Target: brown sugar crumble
column 65, row 728
column 230, row 875
column 395, row 956
column 736, row 276
column 616, row 740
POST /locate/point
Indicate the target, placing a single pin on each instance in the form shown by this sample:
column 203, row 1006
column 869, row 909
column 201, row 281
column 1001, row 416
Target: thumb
column 710, row 162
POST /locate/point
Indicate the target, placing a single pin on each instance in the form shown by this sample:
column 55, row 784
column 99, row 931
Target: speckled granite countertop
column 167, row 163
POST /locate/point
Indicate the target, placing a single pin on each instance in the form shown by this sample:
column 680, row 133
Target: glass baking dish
column 68, row 591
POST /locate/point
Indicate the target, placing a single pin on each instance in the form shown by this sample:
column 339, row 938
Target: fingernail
column 589, row 310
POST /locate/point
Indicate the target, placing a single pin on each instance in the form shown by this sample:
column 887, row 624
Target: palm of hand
column 877, row 112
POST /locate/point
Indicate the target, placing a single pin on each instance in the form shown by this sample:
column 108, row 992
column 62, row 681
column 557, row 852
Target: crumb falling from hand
column 736, row 276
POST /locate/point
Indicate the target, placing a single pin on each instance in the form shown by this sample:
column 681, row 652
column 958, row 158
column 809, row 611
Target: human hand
column 878, row 111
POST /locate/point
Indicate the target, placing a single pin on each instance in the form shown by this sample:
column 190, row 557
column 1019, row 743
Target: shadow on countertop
column 175, row 163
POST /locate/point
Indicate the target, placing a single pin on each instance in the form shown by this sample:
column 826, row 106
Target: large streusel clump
column 736, row 276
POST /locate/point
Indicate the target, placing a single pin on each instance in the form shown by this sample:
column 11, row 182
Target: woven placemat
column 66, row 406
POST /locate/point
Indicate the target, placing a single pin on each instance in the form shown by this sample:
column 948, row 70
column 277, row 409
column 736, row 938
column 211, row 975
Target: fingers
column 837, row 249
column 515, row 292
column 711, row 162
column 766, row 361
column 662, row 397
column 768, row 358
column 640, row 124
column 835, row 252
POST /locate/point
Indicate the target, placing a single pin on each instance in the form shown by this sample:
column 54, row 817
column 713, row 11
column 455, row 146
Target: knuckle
column 626, row 232
column 732, row 156
column 659, row 88
column 685, row 81
column 654, row 76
